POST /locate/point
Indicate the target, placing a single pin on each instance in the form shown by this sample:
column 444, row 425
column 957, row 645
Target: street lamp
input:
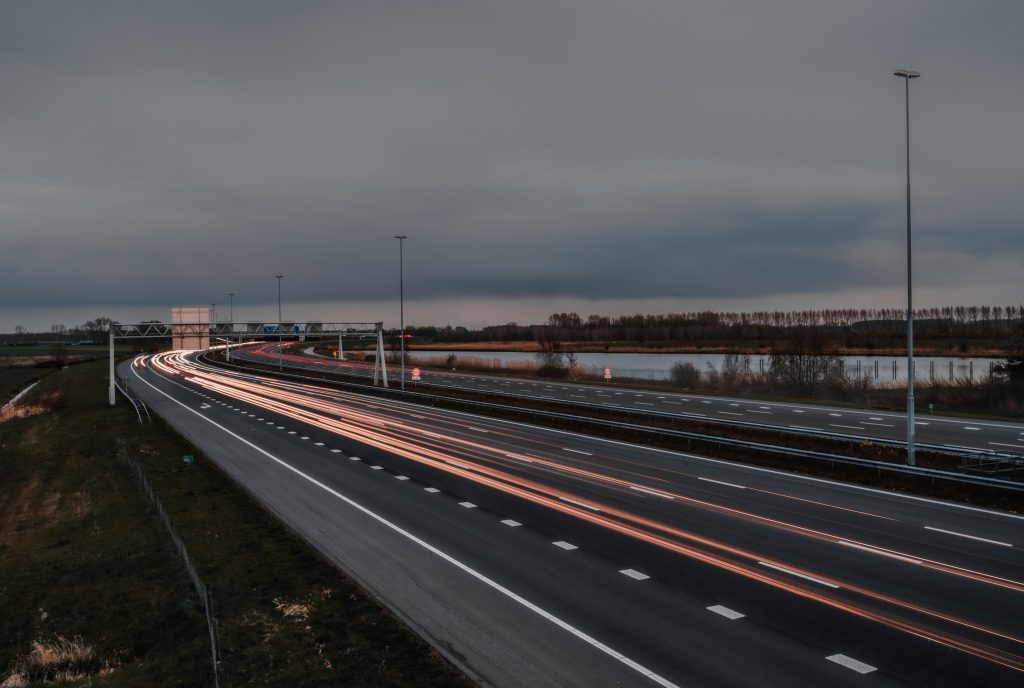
column 401, row 301
column 231, row 295
column 280, row 335
column 907, row 75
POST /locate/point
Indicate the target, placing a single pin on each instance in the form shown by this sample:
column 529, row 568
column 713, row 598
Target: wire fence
column 201, row 589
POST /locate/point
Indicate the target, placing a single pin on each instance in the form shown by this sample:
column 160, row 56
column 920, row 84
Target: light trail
column 295, row 401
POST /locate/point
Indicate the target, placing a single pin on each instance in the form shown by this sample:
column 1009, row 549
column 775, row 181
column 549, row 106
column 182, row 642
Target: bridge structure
column 202, row 333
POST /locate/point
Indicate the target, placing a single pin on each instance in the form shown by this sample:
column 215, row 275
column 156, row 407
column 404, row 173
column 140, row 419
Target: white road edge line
column 851, row 663
column 494, row 585
column 969, row 537
column 799, row 575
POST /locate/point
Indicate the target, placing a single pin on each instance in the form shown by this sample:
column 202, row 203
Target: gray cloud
column 159, row 154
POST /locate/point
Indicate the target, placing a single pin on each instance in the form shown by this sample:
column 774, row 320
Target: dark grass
column 250, row 561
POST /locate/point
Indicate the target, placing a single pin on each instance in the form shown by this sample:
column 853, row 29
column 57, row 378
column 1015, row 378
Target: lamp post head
column 401, row 236
column 278, row 276
column 907, row 73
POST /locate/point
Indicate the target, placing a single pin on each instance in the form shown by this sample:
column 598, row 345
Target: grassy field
column 92, row 587
column 13, row 379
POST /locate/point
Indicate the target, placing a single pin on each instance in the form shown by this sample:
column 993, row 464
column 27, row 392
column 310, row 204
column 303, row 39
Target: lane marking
column 292, row 432
column 722, row 482
column 377, row 468
column 726, row 612
column 470, row 427
column 335, row 451
column 836, row 415
column 651, row 492
column 767, row 413
column 880, row 425
column 303, row 438
column 576, row 451
column 730, row 413
column 585, row 506
column 1004, row 444
column 851, row 663
column 970, row 537
column 521, row 458
column 511, row 524
column 634, row 574
column 968, row 427
column 848, row 427
column 318, row 444
column 467, row 505
column 354, row 458
column 799, row 575
column 489, row 582
column 401, row 477
column 565, row 545
column 431, row 489
column 879, row 552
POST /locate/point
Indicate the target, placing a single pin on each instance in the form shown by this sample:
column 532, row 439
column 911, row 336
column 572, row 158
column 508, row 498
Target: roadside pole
column 110, row 391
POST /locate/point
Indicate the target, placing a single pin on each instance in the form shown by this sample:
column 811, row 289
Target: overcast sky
column 542, row 156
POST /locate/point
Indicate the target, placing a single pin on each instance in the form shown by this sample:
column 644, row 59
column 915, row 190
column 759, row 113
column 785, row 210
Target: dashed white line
column 722, row 482
column 585, row 506
column 565, row 545
column 799, row 575
column 970, row 537
column 470, row 427
column 651, row 492
column 354, row 458
column 467, row 505
column 303, row 438
column 634, row 574
column 879, row 552
column 576, row 451
column 851, row 663
column 335, row 451
column 726, row 612
column 401, row 477
column 292, row 432
column 511, row 524
column 848, row 427
column 318, row 444
column 377, row 468
column 970, row 427
column 431, row 489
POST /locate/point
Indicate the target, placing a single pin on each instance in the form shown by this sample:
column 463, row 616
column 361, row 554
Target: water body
column 883, row 369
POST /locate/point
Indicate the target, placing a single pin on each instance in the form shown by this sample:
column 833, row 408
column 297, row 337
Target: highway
column 948, row 432
column 536, row 557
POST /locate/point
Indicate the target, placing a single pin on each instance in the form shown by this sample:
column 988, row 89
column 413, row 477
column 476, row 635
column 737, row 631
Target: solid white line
column 576, row 451
column 633, row 573
column 1003, row 444
column 879, row 552
column 722, row 482
column 799, row 575
column 651, row 492
column 851, row 663
column 726, row 612
column 730, row 413
column 511, row 524
column 548, row 616
column 881, row 425
column 970, row 537
column 848, row 427
column 467, row 505
column 565, row 545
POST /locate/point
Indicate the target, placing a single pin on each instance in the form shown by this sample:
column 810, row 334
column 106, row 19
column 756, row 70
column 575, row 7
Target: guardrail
column 761, row 447
column 133, row 399
column 964, row 454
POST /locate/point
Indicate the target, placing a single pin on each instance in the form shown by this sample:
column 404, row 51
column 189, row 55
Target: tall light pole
column 907, row 75
column 231, row 296
column 279, row 299
column 401, row 301
column 280, row 335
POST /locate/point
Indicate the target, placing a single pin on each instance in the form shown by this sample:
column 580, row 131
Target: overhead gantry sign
column 199, row 333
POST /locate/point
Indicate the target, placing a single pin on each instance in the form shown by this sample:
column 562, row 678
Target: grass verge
column 85, row 566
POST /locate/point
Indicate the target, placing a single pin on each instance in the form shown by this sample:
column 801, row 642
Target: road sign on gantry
column 190, row 337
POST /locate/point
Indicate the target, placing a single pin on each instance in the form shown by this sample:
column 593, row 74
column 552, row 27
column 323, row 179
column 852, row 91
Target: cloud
column 160, row 155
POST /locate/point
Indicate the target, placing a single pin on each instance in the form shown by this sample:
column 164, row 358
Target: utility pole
column 401, row 301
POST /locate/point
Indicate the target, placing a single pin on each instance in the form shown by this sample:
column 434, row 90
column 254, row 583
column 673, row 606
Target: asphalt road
column 937, row 430
column 536, row 557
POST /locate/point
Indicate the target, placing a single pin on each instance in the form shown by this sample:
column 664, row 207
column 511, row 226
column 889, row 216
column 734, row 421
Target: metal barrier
column 133, row 399
column 933, row 473
column 963, row 454
column 190, row 566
